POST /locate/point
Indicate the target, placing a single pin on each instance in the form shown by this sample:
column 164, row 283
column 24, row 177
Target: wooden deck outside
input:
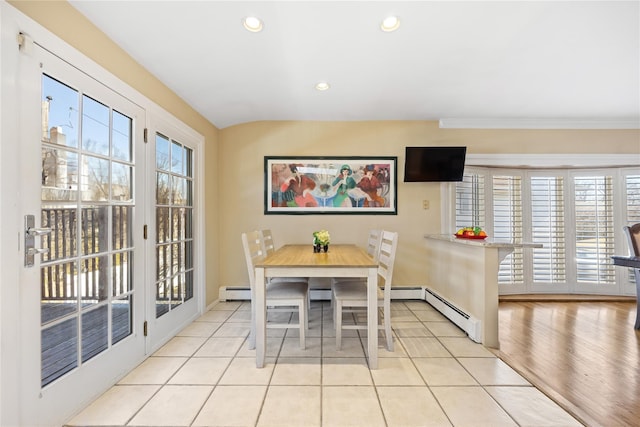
column 60, row 342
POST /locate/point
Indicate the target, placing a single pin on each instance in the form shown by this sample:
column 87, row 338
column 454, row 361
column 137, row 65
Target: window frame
column 617, row 166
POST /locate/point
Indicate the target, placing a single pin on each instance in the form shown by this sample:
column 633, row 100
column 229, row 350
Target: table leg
column 260, row 317
column 372, row 317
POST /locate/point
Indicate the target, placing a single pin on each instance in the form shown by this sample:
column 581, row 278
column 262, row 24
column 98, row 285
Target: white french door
column 174, row 298
column 114, row 266
column 81, row 182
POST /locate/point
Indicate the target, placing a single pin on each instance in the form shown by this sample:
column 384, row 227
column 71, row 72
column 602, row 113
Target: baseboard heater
column 469, row 324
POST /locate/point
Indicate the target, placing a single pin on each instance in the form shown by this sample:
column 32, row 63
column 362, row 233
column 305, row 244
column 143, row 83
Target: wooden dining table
column 302, row 261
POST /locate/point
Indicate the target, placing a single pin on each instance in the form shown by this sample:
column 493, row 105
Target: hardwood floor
column 585, row 355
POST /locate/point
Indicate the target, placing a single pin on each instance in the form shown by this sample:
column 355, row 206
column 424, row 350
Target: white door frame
column 13, row 22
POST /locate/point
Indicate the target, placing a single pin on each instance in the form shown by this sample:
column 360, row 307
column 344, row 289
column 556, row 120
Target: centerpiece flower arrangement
column 321, row 240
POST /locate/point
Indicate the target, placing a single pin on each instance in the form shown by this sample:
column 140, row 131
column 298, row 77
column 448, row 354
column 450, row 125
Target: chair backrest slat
column 373, row 243
column 253, row 246
column 267, row 239
column 387, row 257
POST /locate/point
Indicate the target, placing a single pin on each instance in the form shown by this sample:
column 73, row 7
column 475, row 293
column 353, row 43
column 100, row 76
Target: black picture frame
column 353, row 185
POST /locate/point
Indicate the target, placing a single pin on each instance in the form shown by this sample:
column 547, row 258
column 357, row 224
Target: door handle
column 38, row 231
column 37, row 251
column 30, row 233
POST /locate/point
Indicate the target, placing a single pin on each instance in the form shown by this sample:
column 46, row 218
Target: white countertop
column 488, row 242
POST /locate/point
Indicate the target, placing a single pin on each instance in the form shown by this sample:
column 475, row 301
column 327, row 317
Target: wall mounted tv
column 434, row 164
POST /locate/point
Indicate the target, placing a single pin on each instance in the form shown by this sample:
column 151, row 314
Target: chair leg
column 308, row 313
column 337, row 321
column 387, row 327
column 252, row 329
column 333, row 306
column 303, row 319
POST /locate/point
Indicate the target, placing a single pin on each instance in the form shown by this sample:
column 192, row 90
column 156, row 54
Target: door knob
column 30, row 233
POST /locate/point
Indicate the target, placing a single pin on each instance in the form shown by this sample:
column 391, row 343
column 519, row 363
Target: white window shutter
column 594, row 229
column 548, row 228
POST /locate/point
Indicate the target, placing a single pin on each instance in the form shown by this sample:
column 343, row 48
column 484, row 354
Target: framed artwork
column 330, row 185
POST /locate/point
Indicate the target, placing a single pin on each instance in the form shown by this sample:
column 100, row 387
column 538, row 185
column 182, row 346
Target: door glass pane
column 188, row 161
column 94, row 335
column 188, row 224
column 60, row 107
column 95, row 179
column 87, row 284
column 94, row 229
column 61, row 242
column 162, row 153
column 59, row 174
column 122, row 236
column 95, row 126
column 121, row 315
column 59, row 291
column 177, row 224
column 121, row 182
column 59, row 349
column 122, row 274
column 162, row 189
column 162, row 298
column 121, row 137
column 93, row 280
column 179, row 190
column 177, row 161
column 162, row 225
column 174, row 219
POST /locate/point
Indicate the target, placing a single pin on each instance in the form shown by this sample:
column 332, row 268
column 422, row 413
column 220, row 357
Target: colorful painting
column 330, row 185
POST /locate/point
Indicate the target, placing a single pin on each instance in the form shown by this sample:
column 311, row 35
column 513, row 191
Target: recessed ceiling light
column 390, row 23
column 322, row 86
column 253, row 24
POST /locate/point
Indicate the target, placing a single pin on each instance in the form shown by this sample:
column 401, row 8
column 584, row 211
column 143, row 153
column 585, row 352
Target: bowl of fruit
column 471, row 233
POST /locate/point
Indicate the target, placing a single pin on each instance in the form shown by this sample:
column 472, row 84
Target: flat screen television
column 434, row 164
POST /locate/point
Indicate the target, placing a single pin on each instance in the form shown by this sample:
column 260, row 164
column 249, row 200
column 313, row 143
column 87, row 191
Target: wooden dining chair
column 269, row 247
column 280, row 296
column 350, row 296
column 373, row 249
column 633, row 238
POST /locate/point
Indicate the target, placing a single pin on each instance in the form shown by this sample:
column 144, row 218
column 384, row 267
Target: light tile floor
column 206, row 376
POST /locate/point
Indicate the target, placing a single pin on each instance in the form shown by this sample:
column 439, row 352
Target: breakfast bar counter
column 464, row 272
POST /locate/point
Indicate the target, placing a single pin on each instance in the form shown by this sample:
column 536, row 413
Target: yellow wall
column 234, row 157
column 243, row 147
column 63, row 20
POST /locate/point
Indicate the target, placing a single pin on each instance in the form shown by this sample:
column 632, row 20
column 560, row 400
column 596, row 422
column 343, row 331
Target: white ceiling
column 546, row 62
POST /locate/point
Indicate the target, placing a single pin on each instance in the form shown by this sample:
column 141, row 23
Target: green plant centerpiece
column 321, row 240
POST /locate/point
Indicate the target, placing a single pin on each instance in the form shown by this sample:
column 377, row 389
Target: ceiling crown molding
column 507, row 123
column 576, row 160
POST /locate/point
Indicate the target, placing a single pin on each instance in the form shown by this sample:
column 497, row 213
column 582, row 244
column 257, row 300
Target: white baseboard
column 242, row 293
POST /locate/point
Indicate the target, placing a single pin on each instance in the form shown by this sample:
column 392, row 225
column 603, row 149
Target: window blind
column 507, row 224
column 470, row 208
column 594, row 230
column 632, row 189
column 547, row 228
column 632, row 197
